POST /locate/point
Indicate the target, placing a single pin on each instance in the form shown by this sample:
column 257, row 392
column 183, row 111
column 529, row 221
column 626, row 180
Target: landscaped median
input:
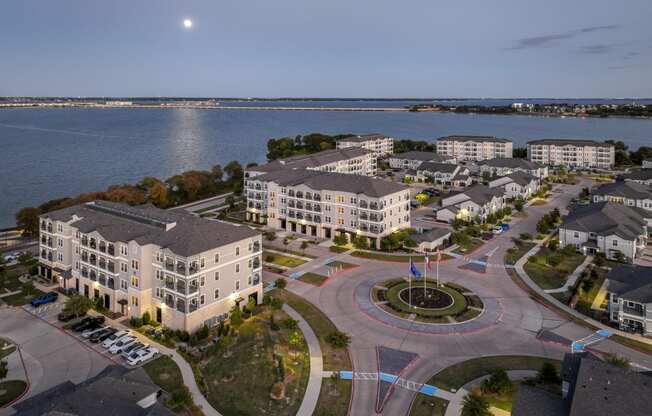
column 550, row 269
column 166, row 374
column 400, row 258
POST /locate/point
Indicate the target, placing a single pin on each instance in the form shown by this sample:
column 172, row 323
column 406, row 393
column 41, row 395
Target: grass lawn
column 240, row 373
column 10, row 283
column 473, row 245
column 457, row 375
column 281, row 260
column 545, row 275
column 393, row 257
column 11, row 389
column 334, row 358
column 515, row 253
column 538, row 201
column 338, row 249
column 504, row 401
column 333, row 398
column 428, row 406
column 586, row 298
column 165, row 373
column 458, row 306
column 21, row 299
column 313, row 278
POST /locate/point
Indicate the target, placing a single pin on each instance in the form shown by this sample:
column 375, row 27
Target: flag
column 428, row 264
column 413, row 270
column 438, row 255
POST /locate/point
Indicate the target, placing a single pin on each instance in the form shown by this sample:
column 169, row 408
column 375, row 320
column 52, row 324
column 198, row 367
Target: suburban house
column 326, row 204
column 647, row 164
column 630, row 298
column 377, row 143
column 640, row 176
column 185, row 271
column 474, row 147
column 517, row 184
column 476, row 202
column 447, row 174
column 354, row 161
column 572, row 153
column 432, row 239
column 606, row 228
column 504, row 166
column 632, row 194
column 412, row 160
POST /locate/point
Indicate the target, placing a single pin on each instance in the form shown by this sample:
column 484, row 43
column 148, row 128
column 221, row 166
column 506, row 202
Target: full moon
column 187, row 23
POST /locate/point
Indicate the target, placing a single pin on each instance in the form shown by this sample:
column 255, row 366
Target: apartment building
column 326, row 204
column 412, row 159
column 474, row 147
column 606, row 228
column 379, row 144
column 630, row 298
column 572, row 153
column 474, row 203
column 627, row 193
column 505, row 166
column 184, row 270
column 517, row 184
column 354, row 161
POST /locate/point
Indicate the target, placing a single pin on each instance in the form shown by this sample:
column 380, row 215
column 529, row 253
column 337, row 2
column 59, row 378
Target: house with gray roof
column 412, row 159
column 517, row 184
column 504, row 166
column 643, row 176
column 613, row 229
column 431, row 239
column 647, row 164
column 182, row 269
column 379, row 144
column 629, row 289
column 447, row 174
column 475, row 203
column 631, row 194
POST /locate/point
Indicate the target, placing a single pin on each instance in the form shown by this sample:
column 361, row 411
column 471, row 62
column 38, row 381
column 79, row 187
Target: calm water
column 52, row 153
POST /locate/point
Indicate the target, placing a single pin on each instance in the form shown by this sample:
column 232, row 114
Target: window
column 237, row 268
column 237, row 251
column 60, row 228
column 134, row 281
column 340, row 199
column 60, row 257
column 250, row 246
column 202, row 299
column 340, row 221
column 159, row 274
column 123, row 267
column 202, row 280
column 134, row 264
column 76, row 249
column 60, row 241
column 158, row 292
column 76, row 265
column 340, row 210
column 202, row 263
column 576, row 234
column 124, row 250
column 159, row 256
column 615, row 243
column 123, row 284
column 237, row 285
column 217, row 276
column 217, row 257
column 77, row 235
column 250, row 263
column 134, row 301
column 216, row 294
column 249, row 280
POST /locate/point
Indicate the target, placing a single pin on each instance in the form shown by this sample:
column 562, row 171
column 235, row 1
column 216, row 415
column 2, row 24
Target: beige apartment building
column 354, row 161
column 572, row 153
column 326, row 204
column 377, row 143
column 184, row 270
column 474, row 147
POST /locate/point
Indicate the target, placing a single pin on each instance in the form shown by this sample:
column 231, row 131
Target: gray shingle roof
column 437, row 167
column 312, row 160
column 417, row 155
column 182, row 233
column 572, row 142
column 457, row 138
column 606, row 218
column 534, row 401
column 480, row 194
column 521, row 178
column 631, row 282
column 508, row 162
column 639, row 175
column 431, row 235
column 630, row 190
column 331, row 181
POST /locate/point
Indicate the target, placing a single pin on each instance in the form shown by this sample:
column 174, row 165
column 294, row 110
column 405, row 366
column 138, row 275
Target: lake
column 52, row 153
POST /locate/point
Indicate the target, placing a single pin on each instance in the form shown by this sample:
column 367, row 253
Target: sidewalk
column 572, row 279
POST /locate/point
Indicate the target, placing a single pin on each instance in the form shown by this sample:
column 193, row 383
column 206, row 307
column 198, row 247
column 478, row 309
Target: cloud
column 597, row 49
column 631, row 54
column 551, row 39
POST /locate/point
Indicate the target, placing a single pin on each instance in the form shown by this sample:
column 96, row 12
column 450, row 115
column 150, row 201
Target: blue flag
column 413, row 270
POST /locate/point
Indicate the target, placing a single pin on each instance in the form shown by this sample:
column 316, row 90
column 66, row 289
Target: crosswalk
column 390, row 378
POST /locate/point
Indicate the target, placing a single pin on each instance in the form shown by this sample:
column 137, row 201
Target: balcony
column 84, row 272
column 364, row 216
column 102, row 247
column 92, row 259
column 110, row 266
column 363, row 204
column 49, row 228
column 84, row 257
column 111, row 283
column 181, row 305
column 316, row 197
column 308, row 195
column 256, row 263
column 169, row 301
column 44, row 226
column 291, row 203
column 44, row 254
column 102, row 279
column 256, row 279
column 50, row 244
column 374, row 206
column 193, row 268
column 93, row 275
column 317, row 208
column 169, row 284
column 317, row 218
column 193, row 289
column 192, row 307
column 299, row 194
column 102, row 264
column 49, row 256
column 634, row 311
column 92, row 244
column 299, row 205
column 44, row 240
column 181, row 268
column 84, row 241
column 111, row 250
column 181, row 287
column 256, row 246
column 169, row 266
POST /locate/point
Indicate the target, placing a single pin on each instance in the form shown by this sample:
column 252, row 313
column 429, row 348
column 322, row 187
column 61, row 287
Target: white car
column 136, row 346
column 88, row 333
column 115, row 337
column 142, row 355
column 497, row 230
column 123, row 342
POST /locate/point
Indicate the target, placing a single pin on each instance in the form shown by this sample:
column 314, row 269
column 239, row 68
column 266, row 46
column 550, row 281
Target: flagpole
column 438, row 258
column 426, row 263
column 410, row 284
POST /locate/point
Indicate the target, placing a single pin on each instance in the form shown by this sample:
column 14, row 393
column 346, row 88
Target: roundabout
column 428, row 298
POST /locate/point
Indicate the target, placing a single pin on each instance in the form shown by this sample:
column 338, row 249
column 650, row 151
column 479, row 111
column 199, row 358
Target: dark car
column 432, row 191
column 102, row 335
column 487, row 236
column 90, row 322
column 67, row 316
column 44, row 299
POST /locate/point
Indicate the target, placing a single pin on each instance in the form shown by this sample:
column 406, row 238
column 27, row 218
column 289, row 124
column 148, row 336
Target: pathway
column 572, row 279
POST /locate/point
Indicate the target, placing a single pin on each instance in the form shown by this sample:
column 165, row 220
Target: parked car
column 91, row 322
column 142, row 355
column 505, row 227
column 90, row 331
column 432, row 191
column 122, row 343
column 487, row 236
column 67, row 316
column 136, row 346
column 44, row 299
column 100, row 336
column 415, row 204
column 115, row 338
column 497, row 229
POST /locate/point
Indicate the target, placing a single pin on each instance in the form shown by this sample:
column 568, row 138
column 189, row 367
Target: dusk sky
column 334, row 48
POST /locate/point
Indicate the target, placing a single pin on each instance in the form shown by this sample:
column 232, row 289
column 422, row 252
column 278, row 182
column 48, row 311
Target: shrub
column 290, row 323
column 553, row 244
column 202, row 333
column 269, row 258
column 338, row 339
column 568, row 250
column 618, row 361
column 236, row 316
column 146, row 318
column 554, row 260
column 497, row 383
column 135, row 322
column 270, row 235
column 548, row 374
column 340, row 240
column 361, row 243
column 276, row 304
column 475, row 405
column 525, row 236
column 281, row 283
column 180, row 398
column 519, row 204
column 600, row 259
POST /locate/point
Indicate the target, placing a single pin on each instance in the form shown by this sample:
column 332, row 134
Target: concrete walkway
column 572, row 279
column 310, row 398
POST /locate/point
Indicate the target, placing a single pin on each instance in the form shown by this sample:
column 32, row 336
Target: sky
column 333, row 48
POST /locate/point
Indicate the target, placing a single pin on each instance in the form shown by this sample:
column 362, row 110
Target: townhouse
column 517, row 184
column 475, row 203
column 640, row 176
column 474, row 147
column 354, row 161
column 630, row 298
column 572, row 153
column 379, row 144
column 505, row 166
column 184, row 270
column 647, row 164
column 412, row 159
column 447, row 174
column 606, row 228
column 326, row 204
column 631, row 194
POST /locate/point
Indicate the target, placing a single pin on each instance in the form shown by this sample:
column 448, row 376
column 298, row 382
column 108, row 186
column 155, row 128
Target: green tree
column 236, row 316
column 78, row 304
column 304, row 246
column 4, row 370
column 361, row 243
column 548, row 374
column 27, row 219
column 146, row 318
column 340, row 240
column 280, row 283
column 422, row 198
column 497, row 383
column 475, row 405
column 28, row 288
column 519, row 204
column 234, row 171
column 338, row 339
column 295, row 339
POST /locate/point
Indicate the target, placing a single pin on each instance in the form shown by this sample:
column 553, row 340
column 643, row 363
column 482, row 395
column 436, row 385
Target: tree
column 295, row 340
column 498, row 383
column 290, row 323
column 548, row 374
column 4, row 370
column 146, row 318
column 27, row 219
column 78, row 305
column 234, row 171
column 475, row 405
column 519, row 204
column 304, row 246
column 280, row 283
column 520, row 152
column 421, row 198
column 338, row 339
column 236, row 316
column 361, row 243
column 28, row 288
column 486, row 176
column 340, row 240
column 217, row 173
column 158, row 195
column 553, row 244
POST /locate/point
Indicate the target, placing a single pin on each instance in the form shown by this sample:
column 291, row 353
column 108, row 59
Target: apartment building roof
column 534, row 401
column 179, row 231
column 115, row 391
column 606, row 218
column 313, row 160
column 521, row 178
column 571, row 142
column 363, row 138
column 508, row 162
column 417, row 155
column 331, row 181
column 631, row 282
column 437, row 167
column 474, row 139
column 630, row 190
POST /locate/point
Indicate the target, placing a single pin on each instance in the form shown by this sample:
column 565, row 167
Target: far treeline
column 176, row 190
